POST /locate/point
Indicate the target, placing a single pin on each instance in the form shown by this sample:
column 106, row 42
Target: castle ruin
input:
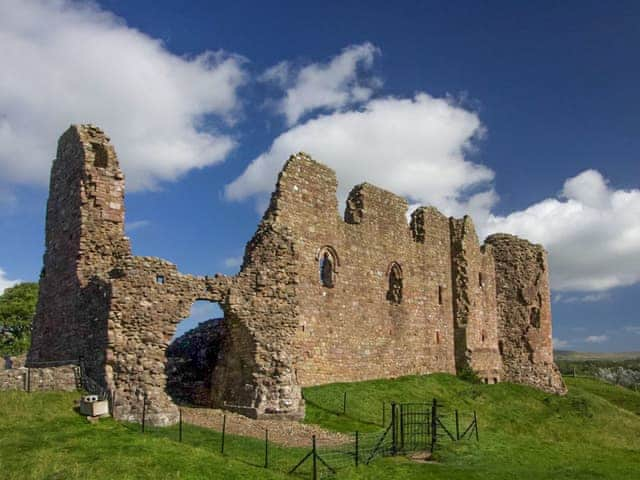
column 318, row 299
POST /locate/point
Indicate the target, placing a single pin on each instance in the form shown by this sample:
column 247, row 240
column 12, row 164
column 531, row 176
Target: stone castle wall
column 84, row 239
column 320, row 298
column 474, row 306
column 524, row 313
column 352, row 330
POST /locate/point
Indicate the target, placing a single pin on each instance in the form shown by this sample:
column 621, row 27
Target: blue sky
column 524, row 114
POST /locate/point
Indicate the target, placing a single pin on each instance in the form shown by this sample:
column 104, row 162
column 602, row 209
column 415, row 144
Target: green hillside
column 583, row 356
column 592, row 433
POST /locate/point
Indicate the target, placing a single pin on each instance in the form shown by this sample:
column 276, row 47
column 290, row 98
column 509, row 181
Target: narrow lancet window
column 327, row 270
column 394, row 294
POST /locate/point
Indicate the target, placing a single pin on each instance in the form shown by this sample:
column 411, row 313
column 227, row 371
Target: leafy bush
column 17, row 307
column 467, row 374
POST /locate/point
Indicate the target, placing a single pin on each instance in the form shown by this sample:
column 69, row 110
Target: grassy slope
column 43, row 437
column 524, row 433
column 589, row 434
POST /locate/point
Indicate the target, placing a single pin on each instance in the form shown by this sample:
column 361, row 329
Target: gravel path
column 284, row 432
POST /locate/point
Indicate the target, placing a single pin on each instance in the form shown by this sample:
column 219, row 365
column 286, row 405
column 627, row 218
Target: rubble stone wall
column 524, row 313
column 15, row 376
column 476, row 322
column 319, row 298
column 84, row 239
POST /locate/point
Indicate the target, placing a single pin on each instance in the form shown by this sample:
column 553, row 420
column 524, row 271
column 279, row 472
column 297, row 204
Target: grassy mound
column 592, row 433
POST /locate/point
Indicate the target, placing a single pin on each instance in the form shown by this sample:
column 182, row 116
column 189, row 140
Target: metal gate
column 414, row 427
column 421, row 426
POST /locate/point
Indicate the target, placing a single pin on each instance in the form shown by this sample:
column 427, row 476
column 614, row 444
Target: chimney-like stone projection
column 319, row 298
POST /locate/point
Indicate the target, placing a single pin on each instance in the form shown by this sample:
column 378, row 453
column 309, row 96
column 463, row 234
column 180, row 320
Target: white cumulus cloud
column 632, row 329
column 332, row 85
column 592, row 233
column 64, row 62
column 5, row 282
column 558, row 343
column 415, row 147
column 596, row 339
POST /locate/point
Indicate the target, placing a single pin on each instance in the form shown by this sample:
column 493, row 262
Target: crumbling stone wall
column 255, row 374
column 84, row 239
column 149, row 297
column 14, row 375
column 524, row 313
column 352, row 330
column 319, row 298
column 474, row 306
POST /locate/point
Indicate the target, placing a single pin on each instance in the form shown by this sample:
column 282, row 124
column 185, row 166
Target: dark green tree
column 17, row 307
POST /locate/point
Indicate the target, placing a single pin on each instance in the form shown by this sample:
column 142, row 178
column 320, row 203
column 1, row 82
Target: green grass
column 616, row 394
column 592, row 433
column 44, row 438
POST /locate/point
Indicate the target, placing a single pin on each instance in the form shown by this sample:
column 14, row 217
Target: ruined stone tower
column 84, row 240
column 320, row 298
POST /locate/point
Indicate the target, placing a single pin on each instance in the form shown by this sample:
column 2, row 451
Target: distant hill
column 589, row 356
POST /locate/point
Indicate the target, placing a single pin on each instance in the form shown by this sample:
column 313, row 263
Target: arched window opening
column 328, row 263
column 437, row 337
column 480, row 280
column 439, row 294
column 483, row 335
column 394, row 294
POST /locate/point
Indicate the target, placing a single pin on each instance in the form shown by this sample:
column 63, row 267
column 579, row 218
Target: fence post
column 315, row 458
column 394, row 439
column 384, row 420
column 266, row 448
column 224, row 428
column 475, row 420
column 81, row 365
column 434, row 418
column 180, row 426
column 457, row 426
column 344, row 404
column 29, row 380
column 357, row 449
column 112, row 402
column 402, row 427
column 144, row 410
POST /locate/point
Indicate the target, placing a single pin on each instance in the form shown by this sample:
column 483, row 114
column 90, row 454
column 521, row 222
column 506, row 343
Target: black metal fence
column 423, row 426
column 413, row 427
column 406, row 428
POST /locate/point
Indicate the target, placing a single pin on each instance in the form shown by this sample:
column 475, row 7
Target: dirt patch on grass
column 284, row 432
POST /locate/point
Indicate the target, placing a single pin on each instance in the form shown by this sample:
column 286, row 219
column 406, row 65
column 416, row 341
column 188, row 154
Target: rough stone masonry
column 319, row 298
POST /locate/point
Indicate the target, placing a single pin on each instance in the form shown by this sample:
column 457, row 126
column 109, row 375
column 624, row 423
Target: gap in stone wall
column 193, row 353
column 201, row 311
